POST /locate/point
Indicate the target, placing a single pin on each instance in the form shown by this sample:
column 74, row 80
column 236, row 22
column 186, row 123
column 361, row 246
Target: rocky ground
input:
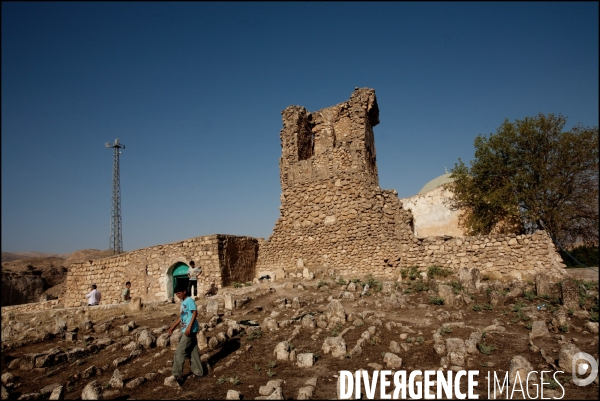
column 289, row 339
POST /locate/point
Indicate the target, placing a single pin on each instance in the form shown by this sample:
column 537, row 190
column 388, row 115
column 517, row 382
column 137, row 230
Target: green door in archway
column 180, row 276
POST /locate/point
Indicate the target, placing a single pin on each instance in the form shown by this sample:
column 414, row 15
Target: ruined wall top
column 334, row 142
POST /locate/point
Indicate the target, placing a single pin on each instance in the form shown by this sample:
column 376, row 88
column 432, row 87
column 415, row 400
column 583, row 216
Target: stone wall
column 223, row 258
column 334, row 215
column 501, row 257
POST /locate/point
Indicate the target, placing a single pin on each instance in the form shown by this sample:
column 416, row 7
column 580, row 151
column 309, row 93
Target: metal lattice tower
column 116, row 235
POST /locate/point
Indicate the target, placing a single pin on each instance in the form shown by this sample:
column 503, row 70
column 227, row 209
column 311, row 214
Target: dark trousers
column 193, row 284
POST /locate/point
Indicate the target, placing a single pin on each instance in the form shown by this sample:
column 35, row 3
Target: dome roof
column 436, row 182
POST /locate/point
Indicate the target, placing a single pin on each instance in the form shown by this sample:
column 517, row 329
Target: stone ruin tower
column 333, row 213
column 334, row 216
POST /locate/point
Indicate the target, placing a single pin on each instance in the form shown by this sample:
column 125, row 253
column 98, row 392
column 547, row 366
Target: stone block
column 569, row 294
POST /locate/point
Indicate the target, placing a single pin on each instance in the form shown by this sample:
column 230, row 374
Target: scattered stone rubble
column 341, row 329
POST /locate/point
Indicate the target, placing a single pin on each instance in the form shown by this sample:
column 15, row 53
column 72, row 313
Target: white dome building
column 432, row 215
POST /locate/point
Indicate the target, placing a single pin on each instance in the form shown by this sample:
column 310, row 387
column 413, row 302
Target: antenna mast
column 116, row 235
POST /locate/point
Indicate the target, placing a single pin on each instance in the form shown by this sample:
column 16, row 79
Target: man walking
column 93, row 296
column 188, row 344
column 193, row 273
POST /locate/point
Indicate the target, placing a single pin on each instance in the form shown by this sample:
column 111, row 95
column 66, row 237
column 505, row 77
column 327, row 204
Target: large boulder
column 538, row 329
column 447, row 293
column 519, row 369
column 335, row 312
column 282, row 351
column 565, row 357
column 392, row 361
column 543, row 286
column 569, row 294
column 335, row 345
column 116, row 381
column 305, row 360
column 146, row 339
column 212, row 307
column 92, row 391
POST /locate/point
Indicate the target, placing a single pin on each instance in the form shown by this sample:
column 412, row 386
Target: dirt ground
column 255, row 365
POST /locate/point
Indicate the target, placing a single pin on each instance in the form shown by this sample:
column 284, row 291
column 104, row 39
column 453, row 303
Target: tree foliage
column 532, row 175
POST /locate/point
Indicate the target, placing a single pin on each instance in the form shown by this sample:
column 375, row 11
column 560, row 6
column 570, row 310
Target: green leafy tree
column 532, row 175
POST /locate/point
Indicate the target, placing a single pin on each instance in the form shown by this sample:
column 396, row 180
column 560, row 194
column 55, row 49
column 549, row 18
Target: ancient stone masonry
column 223, row 259
column 334, row 215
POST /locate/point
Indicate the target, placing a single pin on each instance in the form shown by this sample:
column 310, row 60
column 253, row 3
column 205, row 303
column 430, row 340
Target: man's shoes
column 180, row 381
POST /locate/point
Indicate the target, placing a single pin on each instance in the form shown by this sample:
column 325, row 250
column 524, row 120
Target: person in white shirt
column 93, row 296
column 193, row 273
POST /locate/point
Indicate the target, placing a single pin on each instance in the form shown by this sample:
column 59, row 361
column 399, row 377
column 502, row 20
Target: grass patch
column 341, row 281
column 486, row 349
column 438, row 271
column 477, row 307
column 421, row 286
column 551, row 384
column 374, row 284
column 336, row 330
column 436, row 300
column 271, row 373
column 411, row 272
column 445, row 330
column 254, row 335
column 256, row 367
column 375, row 340
column 456, row 287
column 321, row 283
column 235, row 284
column 529, row 295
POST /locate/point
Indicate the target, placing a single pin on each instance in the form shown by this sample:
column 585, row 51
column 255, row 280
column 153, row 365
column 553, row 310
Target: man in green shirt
column 126, row 295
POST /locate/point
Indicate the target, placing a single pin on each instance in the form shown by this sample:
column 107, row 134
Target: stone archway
column 177, row 269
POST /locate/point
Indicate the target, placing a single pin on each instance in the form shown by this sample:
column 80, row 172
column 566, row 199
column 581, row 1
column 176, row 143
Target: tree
column 532, row 173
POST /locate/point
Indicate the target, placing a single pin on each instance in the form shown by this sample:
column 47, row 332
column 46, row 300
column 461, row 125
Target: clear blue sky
column 195, row 91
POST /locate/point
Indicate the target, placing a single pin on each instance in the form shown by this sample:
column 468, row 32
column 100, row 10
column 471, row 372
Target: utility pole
column 116, row 235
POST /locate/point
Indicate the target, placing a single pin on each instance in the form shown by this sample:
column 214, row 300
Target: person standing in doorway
column 188, row 344
column 93, row 296
column 193, row 273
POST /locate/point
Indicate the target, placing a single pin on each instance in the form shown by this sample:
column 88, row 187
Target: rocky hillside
column 27, row 278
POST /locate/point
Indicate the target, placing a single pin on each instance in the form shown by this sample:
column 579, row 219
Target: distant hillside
column 8, row 256
column 28, row 277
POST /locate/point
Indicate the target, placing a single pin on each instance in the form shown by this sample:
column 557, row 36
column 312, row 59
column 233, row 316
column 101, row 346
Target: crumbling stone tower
column 333, row 213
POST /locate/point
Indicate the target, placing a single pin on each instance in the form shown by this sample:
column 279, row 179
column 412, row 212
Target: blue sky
column 195, row 91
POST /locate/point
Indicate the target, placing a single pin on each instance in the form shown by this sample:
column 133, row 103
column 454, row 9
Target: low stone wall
column 32, row 307
column 501, row 257
column 150, row 269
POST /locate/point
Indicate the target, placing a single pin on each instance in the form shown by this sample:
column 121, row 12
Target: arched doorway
column 176, row 275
